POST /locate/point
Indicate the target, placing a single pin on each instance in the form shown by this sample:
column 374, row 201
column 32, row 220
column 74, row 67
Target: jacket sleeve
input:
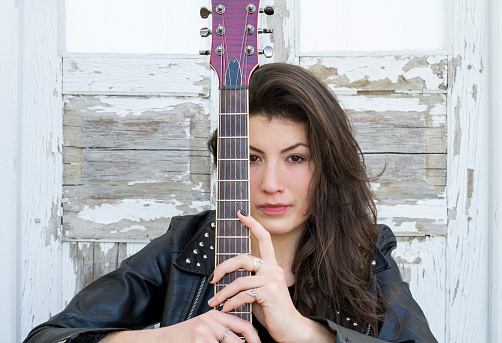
column 119, row 300
column 404, row 321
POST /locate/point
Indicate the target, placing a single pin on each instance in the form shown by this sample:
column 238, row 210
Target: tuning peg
column 205, row 32
column 268, row 52
column 268, row 10
column 205, row 12
column 265, row 30
column 204, row 52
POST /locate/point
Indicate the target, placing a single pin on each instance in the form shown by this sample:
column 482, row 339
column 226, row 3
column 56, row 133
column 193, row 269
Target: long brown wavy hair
column 332, row 264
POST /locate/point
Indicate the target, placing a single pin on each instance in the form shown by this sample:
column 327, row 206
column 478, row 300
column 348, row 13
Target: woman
column 322, row 267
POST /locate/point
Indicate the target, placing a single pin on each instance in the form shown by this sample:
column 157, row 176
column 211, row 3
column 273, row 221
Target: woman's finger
column 235, row 325
column 243, row 261
column 265, row 245
column 240, row 284
column 244, row 297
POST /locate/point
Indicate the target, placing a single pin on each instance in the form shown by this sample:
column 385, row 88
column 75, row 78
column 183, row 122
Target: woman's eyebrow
column 294, row 146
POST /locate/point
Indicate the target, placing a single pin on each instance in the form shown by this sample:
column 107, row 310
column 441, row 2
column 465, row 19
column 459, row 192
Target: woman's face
column 280, row 172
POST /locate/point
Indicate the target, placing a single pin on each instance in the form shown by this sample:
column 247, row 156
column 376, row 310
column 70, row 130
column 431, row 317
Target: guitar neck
column 232, row 237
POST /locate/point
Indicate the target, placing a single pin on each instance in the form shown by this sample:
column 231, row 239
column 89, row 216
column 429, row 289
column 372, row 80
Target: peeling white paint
column 130, row 209
column 374, row 186
column 133, row 227
column 132, row 183
column 378, row 104
column 430, row 208
column 131, row 106
column 200, row 205
column 438, row 115
column 371, row 68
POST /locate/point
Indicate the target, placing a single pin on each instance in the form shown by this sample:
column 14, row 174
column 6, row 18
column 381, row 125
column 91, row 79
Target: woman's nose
column 272, row 181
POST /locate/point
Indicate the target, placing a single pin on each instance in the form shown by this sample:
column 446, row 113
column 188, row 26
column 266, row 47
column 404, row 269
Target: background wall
column 101, row 150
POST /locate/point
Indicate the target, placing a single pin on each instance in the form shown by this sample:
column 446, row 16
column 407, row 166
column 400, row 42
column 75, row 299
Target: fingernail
column 210, row 301
column 243, row 213
column 210, row 278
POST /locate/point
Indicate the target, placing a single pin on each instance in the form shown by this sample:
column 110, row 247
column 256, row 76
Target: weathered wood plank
column 118, row 219
column 86, row 261
column 399, row 123
column 407, row 176
column 145, row 76
column 422, row 262
column 380, row 73
column 132, row 155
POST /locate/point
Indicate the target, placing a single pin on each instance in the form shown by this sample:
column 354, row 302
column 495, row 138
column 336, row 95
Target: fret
column 231, row 254
column 234, row 114
column 233, row 159
column 228, row 210
column 236, row 181
column 232, row 125
column 233, row 101
column 233, row 170
column 227, row 236
column 232, row 137
column 230, row 200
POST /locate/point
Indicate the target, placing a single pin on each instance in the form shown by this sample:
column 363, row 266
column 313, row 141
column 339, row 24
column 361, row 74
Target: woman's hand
column 209, row 327
column 267, row 289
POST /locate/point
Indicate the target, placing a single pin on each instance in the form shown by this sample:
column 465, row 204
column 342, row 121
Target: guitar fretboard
column 232, row 237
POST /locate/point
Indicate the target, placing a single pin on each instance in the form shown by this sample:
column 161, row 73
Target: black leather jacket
column 167, row 282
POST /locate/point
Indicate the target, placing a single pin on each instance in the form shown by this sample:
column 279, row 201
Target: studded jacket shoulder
column 167, row 282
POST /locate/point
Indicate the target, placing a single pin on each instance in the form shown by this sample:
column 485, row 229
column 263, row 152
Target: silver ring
column 225, row 334
column 252, row 292
column 256, row 268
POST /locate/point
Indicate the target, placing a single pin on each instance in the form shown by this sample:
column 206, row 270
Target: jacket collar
column 198, row 255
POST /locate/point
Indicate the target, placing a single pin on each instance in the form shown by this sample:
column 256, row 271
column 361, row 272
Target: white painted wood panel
column 9, row 200
column 495, row 71
column 40, row 160
column 133, row 75
column 467, row 177
column 422, row 262
column 331, row 26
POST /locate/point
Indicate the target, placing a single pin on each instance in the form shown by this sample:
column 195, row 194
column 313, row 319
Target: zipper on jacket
column 199, row 291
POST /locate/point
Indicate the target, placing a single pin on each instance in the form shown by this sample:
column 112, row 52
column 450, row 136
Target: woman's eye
column 253, row 158
column 296, row 159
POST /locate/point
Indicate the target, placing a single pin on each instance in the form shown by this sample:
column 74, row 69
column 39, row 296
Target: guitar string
column 234, row 98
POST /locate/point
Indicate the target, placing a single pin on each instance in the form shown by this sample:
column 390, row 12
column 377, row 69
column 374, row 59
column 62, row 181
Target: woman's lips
column 274, row 208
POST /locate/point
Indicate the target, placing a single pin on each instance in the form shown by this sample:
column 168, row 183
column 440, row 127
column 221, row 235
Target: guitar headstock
column 234, row 51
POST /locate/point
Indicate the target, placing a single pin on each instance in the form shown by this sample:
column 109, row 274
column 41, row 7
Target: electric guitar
column 234, row 56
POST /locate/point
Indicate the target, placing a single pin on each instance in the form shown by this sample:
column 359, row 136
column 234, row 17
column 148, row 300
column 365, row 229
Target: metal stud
column 213, row 225
column 355, row 325
column 211, row 247
column 195, row 252
column 201, row 244
column 188, row 261
column 198, row 264
column 206, row 235
column 373, row 263
column 204, row 257
column 348, row 319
